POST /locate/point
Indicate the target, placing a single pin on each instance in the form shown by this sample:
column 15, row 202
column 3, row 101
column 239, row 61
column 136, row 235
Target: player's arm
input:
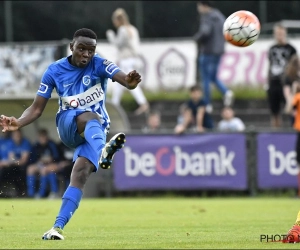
column 129, row 81
column 29, row 115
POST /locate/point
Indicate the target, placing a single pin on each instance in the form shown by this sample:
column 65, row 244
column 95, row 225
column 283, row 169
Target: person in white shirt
column 229, row 122
column 127, row 41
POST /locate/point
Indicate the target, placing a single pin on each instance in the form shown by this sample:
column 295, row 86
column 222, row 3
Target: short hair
column 206, row 3
column 195, row 88
column 85, row 33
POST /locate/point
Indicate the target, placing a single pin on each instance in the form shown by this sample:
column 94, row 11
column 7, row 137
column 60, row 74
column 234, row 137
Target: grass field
column 151, row 223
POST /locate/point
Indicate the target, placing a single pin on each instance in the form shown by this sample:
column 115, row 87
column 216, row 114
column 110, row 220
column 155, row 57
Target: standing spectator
column 153, row 122
column 127, row 41
column 45, row 164
column 279, row 55
column 212, row 43
column 195, row 114
column 12, row 168
column 229, row 122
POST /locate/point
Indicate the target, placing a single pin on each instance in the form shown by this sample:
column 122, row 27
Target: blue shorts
column 67, row 132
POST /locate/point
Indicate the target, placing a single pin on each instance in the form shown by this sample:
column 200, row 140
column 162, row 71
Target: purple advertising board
column 276, row 160
column 202, row 161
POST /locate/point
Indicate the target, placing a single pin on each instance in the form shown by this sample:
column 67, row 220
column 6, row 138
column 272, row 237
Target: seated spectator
column 45, row 165
column 229, row 122
column 194, row 114
column 65, row 163
column 153, row 122
column 14, row 162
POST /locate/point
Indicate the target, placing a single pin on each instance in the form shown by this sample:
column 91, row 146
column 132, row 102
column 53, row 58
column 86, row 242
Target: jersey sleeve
column 46, row 85
column 108, row 69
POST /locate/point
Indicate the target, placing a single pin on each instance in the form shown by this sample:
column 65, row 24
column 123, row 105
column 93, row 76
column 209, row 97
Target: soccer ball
column 241, row 28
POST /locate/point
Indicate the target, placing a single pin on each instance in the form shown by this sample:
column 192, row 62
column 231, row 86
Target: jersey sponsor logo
column 111, row 68
column 84, row 100
column 43, row 88
column 86, row 80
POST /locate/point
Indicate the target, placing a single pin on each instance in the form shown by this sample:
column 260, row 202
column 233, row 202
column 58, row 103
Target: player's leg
column 96, row 137
column 86, row 161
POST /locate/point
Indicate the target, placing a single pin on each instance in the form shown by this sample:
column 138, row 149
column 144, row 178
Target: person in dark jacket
column 212, row 42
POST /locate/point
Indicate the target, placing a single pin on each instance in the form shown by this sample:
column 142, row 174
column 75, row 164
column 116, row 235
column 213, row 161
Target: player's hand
column 9, row 123
column 133, row 78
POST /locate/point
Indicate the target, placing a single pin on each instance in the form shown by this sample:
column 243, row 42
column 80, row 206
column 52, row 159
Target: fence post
column 251, row 161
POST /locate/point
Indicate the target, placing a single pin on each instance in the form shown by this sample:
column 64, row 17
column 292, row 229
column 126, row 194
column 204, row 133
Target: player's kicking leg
column 108, row 152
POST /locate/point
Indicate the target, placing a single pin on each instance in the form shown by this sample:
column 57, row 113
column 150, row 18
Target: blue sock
column 30, row 181
column 43, row 185
column 70, row 202
column 94, row 135
column 53, row 182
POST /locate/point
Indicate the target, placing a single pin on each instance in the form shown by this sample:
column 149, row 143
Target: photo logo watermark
column 279, row 238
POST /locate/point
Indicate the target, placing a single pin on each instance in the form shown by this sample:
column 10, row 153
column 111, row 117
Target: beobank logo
column 175, row 161
column 84, row 100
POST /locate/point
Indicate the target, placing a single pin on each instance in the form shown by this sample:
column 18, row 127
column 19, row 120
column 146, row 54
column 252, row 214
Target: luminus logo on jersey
column 86, row 80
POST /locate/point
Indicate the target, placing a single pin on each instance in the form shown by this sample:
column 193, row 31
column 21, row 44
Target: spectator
column 14, row 163
column 212, row 43
column 229, row 122
column 65, row 163
column 45, row 164
column 195, row 115
column 279, row 56
column 153, row 122
column 127, row 41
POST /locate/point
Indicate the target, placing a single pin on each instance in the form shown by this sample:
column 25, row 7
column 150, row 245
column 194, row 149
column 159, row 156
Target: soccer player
column 82, row 120
column 293, row 234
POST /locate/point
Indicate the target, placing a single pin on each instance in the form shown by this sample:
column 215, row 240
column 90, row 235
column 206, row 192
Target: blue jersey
column 18, row 149
column 79, row 88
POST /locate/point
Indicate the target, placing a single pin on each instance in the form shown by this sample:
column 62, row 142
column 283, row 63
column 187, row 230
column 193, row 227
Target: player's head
column 204, row 6
column 195, row 93
column 120, row 17
column 83, row 47
column 279, row 32
column 227, row 113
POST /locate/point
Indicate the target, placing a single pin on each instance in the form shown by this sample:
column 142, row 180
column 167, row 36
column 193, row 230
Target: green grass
column 184, row 223
column 241, row 92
